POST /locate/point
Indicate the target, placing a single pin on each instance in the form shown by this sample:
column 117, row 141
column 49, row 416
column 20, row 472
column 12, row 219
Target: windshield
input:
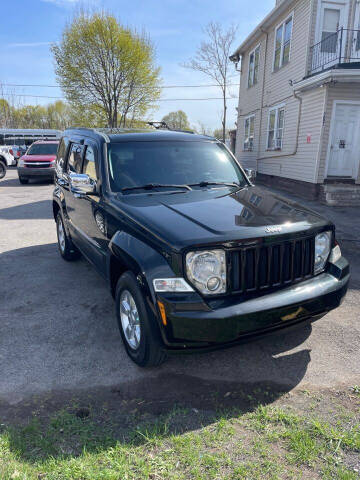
column 43, row 149
column 171, row 163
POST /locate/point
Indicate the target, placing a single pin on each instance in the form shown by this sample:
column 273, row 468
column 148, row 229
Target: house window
column 255, row 199
column 249, row 133
column 329, row 37
column 283, row 43
column 254, row 60
column 276, row 128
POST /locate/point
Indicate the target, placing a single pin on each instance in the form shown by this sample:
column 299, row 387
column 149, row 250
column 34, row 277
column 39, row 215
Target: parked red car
column 38, row 161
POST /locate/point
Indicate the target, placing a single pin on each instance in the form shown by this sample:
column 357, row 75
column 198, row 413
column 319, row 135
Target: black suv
column 195, row 255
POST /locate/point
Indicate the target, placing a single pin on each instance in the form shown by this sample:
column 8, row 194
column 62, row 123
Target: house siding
column 298, row 157
column 306, row 131
column 272, row 89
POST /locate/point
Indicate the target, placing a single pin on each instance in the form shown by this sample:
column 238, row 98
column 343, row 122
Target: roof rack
column 164, row 126
column 159, row 125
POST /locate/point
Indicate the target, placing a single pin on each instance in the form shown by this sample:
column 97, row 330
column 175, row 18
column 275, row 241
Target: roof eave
column 261, row 28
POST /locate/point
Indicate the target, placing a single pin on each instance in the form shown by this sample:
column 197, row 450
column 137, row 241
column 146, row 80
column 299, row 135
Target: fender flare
column 59, row 200
column 139, row 257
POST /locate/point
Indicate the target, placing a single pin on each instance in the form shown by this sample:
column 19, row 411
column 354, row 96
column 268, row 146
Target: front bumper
column 47, row 172
column 197, row 325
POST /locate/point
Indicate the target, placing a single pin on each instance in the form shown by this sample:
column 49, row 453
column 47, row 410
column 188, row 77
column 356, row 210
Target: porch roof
column 336, row 75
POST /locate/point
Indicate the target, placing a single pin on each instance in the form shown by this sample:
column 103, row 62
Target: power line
column 164, row 86
column 159, row 100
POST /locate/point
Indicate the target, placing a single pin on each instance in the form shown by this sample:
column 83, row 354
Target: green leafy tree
column 6, row 114
column 177, row 120
column 102, row 66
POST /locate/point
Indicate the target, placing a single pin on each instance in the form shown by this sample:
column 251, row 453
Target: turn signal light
column 162, row 312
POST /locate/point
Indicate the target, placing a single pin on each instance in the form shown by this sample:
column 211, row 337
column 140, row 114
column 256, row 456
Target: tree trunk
column 224, row 116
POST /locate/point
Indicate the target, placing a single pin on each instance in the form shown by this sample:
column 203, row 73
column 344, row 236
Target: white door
column 344, row 147
column 330, row 47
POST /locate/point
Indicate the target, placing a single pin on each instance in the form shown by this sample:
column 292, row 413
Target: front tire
column 23, row 180
column 139, row 332
column 2, row 170
column 66, row 248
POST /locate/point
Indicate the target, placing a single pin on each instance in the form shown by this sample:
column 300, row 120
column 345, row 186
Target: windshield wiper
column 206, row 184
column 151, row 186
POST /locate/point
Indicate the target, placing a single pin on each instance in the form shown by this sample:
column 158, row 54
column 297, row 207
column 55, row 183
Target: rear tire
column 145, row 347
column 23, row 180
column 66, row 248
column 2, row 170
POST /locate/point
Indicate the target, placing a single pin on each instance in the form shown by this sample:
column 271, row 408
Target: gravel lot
column 58, row 330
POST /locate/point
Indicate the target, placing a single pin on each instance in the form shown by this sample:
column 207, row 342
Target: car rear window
column 43, row 149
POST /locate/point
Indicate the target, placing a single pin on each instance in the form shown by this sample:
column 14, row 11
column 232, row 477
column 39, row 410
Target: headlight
column 322, row 250
column 206, row 270
column 21, row 163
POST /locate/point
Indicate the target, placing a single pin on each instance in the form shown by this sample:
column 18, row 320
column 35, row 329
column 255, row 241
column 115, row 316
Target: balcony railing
column 341, row 47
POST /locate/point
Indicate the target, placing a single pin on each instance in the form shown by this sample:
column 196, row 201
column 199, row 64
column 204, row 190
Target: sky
column 28, row 28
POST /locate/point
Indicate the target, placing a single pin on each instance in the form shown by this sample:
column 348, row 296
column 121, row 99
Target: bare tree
column 212, row 59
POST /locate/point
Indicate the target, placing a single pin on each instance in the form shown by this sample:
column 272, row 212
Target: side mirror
column 82, row 184
column 251, row 174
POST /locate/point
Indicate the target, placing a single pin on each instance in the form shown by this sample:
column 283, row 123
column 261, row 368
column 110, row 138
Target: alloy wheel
column 130, row 320
column 61, row 235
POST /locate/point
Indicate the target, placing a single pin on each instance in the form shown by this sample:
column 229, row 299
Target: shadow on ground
column 28, row 211
column 61, row 339
column 14, row 182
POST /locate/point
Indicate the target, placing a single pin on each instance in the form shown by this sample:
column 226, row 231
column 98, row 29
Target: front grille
column 37, row 165
column 264, row 267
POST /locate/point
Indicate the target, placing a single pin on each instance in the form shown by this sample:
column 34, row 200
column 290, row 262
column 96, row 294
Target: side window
column 283, row 43
column 89, row 163
column 276, row 128
column 75, row 158
column 249, row 133
column 254, row 60
column 61, row 153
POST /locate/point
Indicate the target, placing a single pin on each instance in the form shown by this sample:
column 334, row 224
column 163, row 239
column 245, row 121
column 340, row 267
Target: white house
column 299, row 101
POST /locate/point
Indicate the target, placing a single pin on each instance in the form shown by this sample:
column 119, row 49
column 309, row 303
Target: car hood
column 38, row 158
column 208, row 216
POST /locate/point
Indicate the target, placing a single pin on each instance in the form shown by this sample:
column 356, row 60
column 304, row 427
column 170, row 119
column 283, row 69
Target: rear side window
column 75, row 158
column 61, row 153
column 89, row 163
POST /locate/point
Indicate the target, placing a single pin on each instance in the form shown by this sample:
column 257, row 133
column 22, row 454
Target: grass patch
column 285, row 440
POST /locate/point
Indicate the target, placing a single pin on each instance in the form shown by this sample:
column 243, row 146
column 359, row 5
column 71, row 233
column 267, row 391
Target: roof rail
column 163, row 125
